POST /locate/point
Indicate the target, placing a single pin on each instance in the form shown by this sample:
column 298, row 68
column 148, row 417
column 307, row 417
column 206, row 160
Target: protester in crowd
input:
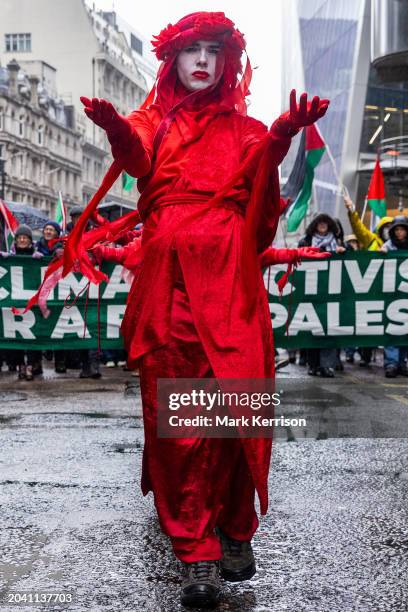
column 395, row 357
column 51, row 231
column 323, row 232
column 398, row 235
column 74, row 213
column 369, row 241
column 27, row 362
column 351, row 243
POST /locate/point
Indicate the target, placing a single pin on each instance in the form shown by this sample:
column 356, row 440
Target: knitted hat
column 24, row 230
column 53, row 224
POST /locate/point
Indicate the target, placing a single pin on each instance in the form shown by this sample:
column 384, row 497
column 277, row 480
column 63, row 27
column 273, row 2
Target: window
column 40, row 135
column 136, row 44
column 1, row 120
column 21, row 126
column 18, row 42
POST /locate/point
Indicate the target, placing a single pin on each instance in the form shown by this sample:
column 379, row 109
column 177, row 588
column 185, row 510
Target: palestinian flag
column 376, row 192
column 10, row 224
column 127, row 181
column 61, row 213
column 299, row 183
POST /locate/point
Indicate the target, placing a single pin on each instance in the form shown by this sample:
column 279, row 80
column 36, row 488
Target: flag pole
column 340, row 183
column 364, row 209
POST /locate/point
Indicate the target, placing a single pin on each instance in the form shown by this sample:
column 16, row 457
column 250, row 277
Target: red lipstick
column 201, row 74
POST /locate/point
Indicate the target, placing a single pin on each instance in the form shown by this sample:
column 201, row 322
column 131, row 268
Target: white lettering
column 18, row 324
column 70, row 321
column 114, row 317
column 279, row 314
column 333, row 320
column 397, row 311
column 389, row 275
column 116, row 284
column 335, row 276
column 17, row 285
column 306, row 319
column 311, row 270
column 362, row 282
column 270, row 280
column 366, row 313
column 403, row 270
column 3, row 292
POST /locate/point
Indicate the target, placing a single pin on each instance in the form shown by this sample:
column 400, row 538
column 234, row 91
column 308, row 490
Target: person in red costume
column 210, row 204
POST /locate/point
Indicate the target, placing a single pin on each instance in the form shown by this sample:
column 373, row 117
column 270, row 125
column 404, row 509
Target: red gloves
column 273, row 256
column 300, row 115
column 312, row 253
column 105, row 115
column 115, row 254
column 123, row 138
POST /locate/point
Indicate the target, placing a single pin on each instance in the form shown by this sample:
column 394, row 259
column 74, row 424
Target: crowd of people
column 324, row 232
column 28, row 363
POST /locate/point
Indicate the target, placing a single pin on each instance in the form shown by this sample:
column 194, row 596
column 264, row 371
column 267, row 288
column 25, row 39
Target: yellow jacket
column 368, row 240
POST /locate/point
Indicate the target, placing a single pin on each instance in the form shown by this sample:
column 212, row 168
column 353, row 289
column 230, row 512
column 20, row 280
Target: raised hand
column 104, row 114
column 127, row 147
column 300, row 115
column 100, row 111
column 348, row 202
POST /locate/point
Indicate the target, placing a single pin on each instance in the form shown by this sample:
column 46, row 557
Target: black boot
column 238, row 561
column 391, row 371
column 201, row 584
column 327, row 372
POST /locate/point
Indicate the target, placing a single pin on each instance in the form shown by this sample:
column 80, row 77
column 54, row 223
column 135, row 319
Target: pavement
column 74, row 520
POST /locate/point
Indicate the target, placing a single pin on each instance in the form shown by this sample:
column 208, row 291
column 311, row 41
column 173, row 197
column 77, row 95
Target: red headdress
column 167, row 91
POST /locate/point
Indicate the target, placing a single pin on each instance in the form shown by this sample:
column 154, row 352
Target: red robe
column 200, row 151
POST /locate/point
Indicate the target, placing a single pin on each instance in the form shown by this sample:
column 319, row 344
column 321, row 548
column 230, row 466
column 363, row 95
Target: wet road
column 73, row 518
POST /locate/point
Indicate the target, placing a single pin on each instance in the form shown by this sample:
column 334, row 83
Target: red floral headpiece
column 204, row 25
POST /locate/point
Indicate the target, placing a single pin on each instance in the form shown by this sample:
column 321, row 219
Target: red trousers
column 198, row 483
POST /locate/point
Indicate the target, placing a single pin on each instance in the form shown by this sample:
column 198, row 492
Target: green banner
column 355, row 299
column 65, row 328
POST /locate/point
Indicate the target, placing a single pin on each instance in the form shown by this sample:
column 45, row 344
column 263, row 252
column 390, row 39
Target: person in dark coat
column 51, row 230
column 325, row 233
column 27, row 362
column 395, row 357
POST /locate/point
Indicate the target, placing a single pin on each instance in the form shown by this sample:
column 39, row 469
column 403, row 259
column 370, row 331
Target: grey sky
column 259, row 20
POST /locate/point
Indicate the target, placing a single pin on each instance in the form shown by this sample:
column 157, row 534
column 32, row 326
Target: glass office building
column 327, row 52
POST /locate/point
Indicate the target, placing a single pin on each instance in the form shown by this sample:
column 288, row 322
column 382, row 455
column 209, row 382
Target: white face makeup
column 196, row 64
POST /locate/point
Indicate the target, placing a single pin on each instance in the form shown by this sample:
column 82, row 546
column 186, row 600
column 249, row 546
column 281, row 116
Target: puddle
column 19, row 553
